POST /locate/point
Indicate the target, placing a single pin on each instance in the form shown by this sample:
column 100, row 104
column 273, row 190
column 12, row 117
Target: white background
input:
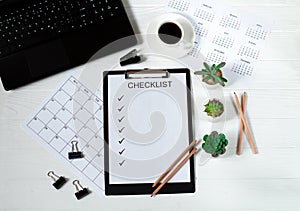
column 267, row 181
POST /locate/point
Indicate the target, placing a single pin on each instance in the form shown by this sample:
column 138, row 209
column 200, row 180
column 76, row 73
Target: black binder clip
column 59, row 181
column 130, row 58
column 81, row 192
column 75, row 154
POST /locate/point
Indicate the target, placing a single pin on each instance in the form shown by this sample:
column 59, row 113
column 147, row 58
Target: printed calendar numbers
column 64, row 115
column 200, row 30
column 47, row 134
column 55, row 124
column 230, row 21
column 73, row 113
column 195, row 51
column 179, row 5
column 58, row 143
column 223, row 41
column 243, row 68
column 67, row 134
column 61, row 96
column 53, row 106
column 249, row 52
column 44, row 115
column 256, row 32
column 219, row 26
column 90, row 151
column 97, row 142
column 204, row 15
column 98, row 162
column 36, row 125
column 216, row 57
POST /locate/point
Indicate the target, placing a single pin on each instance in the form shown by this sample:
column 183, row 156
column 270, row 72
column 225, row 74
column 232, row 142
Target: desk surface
column 267, row 181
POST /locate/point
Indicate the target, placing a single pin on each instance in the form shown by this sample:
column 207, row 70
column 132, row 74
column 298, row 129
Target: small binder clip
column 81, row 192
column 130, row 58
column 75, row 154
column 59, row 181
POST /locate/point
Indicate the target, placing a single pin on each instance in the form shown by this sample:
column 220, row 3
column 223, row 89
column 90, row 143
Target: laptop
column 39, row 38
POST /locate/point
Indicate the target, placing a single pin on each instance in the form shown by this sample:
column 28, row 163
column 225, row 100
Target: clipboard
column 147, row 123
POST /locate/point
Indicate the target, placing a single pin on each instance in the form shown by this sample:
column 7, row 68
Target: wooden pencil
column 240, row 137
column 245, row 124
column 174, row 163
column 174, row 171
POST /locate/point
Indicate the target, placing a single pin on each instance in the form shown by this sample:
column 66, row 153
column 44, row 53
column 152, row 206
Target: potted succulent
column 212, row 75
column 214, row 108
column 215, row 143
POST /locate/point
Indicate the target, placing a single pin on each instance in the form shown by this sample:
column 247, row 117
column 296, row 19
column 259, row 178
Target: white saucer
column 177, row 50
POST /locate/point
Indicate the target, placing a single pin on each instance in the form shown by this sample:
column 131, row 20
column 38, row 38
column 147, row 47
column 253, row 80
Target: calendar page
column 73, row 114
column 223, row 34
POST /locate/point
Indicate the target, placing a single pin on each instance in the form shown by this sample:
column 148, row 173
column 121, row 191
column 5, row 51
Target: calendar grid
column 204, row 15
column 222, row 41
column 195, row 51
column 179, row 5
column 230, row 21
column 73, row 113
column 226, row 35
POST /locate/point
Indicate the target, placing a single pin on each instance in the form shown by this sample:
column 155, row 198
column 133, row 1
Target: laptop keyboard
column 36, row 21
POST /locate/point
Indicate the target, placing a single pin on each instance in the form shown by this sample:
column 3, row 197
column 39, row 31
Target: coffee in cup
column 170, row 33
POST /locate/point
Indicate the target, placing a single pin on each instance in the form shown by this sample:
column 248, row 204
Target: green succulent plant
column 212, row 75
column 215, row 143
column 214, row 108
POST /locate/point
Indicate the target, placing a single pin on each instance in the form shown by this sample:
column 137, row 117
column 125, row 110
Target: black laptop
column 39, row 38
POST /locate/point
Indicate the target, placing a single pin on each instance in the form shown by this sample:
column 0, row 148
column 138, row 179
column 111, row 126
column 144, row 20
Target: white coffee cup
column 171, row 34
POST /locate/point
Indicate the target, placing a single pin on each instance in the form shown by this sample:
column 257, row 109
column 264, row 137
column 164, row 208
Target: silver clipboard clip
column 147, row 73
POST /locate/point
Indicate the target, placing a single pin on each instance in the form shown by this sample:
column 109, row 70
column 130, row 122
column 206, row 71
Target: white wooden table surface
column 269, row 180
